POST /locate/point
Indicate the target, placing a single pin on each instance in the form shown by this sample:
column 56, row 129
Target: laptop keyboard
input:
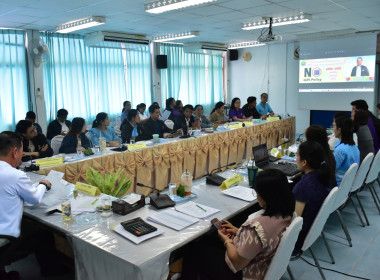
column 289, row 169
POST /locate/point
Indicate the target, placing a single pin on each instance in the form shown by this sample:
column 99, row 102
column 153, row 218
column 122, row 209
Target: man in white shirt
column 15, row 188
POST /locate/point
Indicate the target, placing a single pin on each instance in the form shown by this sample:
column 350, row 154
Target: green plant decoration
column 111, row 183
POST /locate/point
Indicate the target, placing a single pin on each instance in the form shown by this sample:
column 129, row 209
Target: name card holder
column 231, row 181
column 87, row 189
column 136, row 146
column 47, row 162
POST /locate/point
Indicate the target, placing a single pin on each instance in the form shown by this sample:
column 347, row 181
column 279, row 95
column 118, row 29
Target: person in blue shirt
column 263, row 107
column 346, row 152
column 76, row 139
column 126, row 108
column 101, row 128
column 313, row 188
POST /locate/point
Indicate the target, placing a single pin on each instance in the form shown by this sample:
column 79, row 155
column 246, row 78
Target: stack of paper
column 196, row 210
column 172, row 219
column 241, row 192
column 136, row 239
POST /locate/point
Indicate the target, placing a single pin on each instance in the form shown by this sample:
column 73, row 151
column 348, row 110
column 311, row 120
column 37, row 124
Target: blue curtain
column 86, row 81
column 139, row 88
column 191, row 78
column 13, row 78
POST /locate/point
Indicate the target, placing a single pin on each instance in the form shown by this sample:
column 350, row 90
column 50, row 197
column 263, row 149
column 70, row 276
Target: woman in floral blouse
column 250, row 248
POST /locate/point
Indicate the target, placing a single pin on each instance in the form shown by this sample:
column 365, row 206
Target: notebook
column 172, row 219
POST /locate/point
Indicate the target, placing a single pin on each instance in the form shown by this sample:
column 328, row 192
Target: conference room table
column 163, row 163
column 101, row 253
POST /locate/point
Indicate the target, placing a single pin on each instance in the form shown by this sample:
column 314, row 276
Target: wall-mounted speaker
column 162, row 61
column 233, row 55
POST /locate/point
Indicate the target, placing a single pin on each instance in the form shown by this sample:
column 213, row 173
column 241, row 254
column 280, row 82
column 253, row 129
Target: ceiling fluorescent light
column 179, row 36
column 299, row 18
column 163, row 6
column 245, row 45
column 80, row 24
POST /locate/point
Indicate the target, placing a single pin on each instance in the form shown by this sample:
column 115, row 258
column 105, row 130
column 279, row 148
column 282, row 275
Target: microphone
column 218, row 168
column 32, row 167
column 215, row 179
column 299, row 137
column 158, row 200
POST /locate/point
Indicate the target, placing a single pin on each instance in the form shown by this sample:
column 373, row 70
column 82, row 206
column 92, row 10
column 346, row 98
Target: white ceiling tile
column 243, row 4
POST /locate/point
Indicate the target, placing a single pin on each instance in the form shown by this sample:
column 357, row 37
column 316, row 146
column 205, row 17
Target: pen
column 95, row 201
column 200, row 207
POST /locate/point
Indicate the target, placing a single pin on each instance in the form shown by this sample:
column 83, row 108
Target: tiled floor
column 363, row 259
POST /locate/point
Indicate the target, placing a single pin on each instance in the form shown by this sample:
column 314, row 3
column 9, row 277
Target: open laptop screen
column 260, row 154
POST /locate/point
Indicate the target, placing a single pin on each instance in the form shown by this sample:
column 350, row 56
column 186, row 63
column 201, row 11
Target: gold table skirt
column 163, row 164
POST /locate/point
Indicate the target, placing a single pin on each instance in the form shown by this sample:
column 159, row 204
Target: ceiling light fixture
column 245, row 45
column 179, row 36
column 80, row 24
column 163, row 6
column 299, row 18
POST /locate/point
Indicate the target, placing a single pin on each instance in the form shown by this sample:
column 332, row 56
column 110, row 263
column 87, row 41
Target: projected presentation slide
column 338, row 70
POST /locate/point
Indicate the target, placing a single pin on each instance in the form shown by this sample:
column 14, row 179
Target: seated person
column 18, row 241
column 250, row 248
column 35, row 145
column 101, row 128
column 154, row 125
column 346, row 152
column 130, row 128
column 236, row 113
column 318, row 134
column 60, row 126
column 373, row 122
column 179, row 106
column 141, row 110
column 31, row 116
column 217, row 114
column 186, row 120
column 198, row 116
column 313, row 188
column 76, row 139
column 249, row 109
column 126, row 108
column 364, row 136
column 170, row 106
column 263, row 107
column 332, row 138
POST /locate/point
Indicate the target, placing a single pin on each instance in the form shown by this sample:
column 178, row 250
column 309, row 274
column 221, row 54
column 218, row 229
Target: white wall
column 272, row 69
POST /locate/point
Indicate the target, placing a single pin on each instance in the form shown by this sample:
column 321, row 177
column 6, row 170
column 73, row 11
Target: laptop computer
column 261, row 156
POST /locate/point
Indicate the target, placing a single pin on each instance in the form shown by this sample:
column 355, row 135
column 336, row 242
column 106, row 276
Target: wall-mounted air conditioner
column 205, row 48
column 105, row 39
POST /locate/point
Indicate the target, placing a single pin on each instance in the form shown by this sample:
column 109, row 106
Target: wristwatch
column 46, row 186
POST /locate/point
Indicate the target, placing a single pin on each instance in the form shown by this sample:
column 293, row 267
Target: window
column 192, row 78
column 13, row 78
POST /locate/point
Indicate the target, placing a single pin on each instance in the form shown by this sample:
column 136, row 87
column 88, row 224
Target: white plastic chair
column 56, row 143
column 280, row 260
column 342, row 196
column 372, row 176
column 316, row 229
column 359, row 182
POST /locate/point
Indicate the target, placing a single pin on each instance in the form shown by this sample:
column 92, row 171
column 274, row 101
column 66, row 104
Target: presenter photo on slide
column 359, row 70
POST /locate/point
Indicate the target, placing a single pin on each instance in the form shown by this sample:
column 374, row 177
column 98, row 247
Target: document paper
column 172, row 219
column 241, row 192
column 196, row 210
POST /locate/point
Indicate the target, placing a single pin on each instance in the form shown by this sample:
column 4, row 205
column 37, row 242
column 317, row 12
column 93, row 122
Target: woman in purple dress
column 236, row 113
